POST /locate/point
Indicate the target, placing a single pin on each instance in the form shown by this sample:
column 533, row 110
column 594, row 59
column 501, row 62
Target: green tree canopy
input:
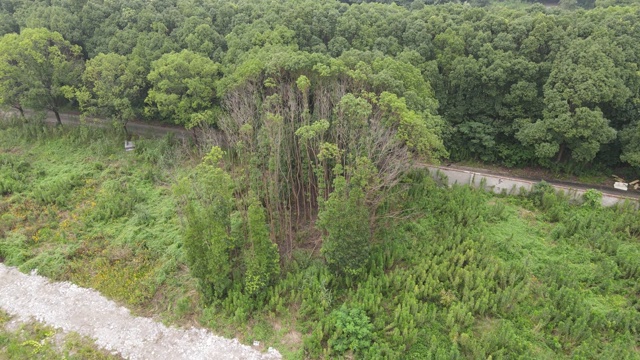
column 583, row 79
column 42, row 63
column 183, row 88
column 113, row 86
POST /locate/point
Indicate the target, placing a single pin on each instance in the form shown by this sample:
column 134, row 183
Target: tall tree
column 44, row 64
column 12, row 87
column 583, row 78
column 113, row 87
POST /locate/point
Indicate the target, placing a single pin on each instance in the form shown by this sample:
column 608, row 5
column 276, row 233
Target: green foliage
column 352, row 330
column 116, row 198
column 225, row 244
column 49, row 263
column 457, row 274
column 514, row 83
column 38, row 64
column 56, row 190
column 261, row 256
column 345, row 220
column 37, row 341
column 539, row 191
column 83, row 215
column 13, row 249
column 629, row 137
column 112, row 87
column 325, row 107
column 592, row 198
column 13, row 174
column 183, row 88
column 208, row 202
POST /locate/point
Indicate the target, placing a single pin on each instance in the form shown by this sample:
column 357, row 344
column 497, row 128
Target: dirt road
column 71, row 308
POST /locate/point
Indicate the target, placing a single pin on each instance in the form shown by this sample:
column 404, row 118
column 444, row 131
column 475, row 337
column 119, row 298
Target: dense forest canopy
column 517, row 85
column 314, row 208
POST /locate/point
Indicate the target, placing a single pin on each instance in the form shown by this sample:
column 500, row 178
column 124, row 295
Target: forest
column 300, row 212
column 507, row 83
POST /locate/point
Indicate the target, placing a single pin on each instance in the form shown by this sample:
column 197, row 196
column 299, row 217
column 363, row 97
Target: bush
column 13, row 249
column 345, row 219
column 13, row 174
column 49, row 263
column 117, row 198
column 541, row 194
column 352, row 330
column 57, row 189
column 592, row 198
column 207, row 201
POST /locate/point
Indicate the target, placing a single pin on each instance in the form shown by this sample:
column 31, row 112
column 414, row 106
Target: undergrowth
column 466, row 275
column 77, row 207
column 36, row 341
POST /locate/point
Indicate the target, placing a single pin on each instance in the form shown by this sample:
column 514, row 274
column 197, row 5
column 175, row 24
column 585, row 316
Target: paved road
column 134, row 127
column 499, row 183
column 558, row 183
column 155, row 129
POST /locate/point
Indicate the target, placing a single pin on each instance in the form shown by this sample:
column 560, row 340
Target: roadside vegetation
column 509, row 82
column 299, row 213
column 35, row 341
column 463, row 274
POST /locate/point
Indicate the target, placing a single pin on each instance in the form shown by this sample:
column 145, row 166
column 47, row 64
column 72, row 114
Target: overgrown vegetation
column 513, row 82
column 36, row 341
column 310, row 214
column 462, row 274
column 81, row 211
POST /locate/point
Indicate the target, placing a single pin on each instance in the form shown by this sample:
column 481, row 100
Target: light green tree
column 12, row 87
column 42, row 63
column 207, row 201
column 183, row 88
column 113, row 87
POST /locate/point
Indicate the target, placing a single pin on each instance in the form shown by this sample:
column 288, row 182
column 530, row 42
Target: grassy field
column 36, row 341
column 468, row 275
column 77, row 207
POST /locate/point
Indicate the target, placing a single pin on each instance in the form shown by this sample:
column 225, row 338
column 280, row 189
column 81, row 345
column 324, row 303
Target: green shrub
column 539, row 191
column 57, row 189
column 345, row 220
column 117, row 198
column 13, row 174
column 206, row 198
column 592, row 198
column 13, row 249
column 9, row 185
column 497, row 212
column 351, row 330
column 261, row 258
column 49, row 263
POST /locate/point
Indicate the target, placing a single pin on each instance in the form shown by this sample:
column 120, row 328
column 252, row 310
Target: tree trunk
column 560, row 153
column 59, row 121
column 19, row 107
column 126, row 132
column 194, row 133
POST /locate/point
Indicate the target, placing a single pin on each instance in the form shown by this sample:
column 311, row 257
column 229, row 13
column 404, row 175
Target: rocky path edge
column 66, row 306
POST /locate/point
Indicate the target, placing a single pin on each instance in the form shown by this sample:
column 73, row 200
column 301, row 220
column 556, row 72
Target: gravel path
column 72, row 308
